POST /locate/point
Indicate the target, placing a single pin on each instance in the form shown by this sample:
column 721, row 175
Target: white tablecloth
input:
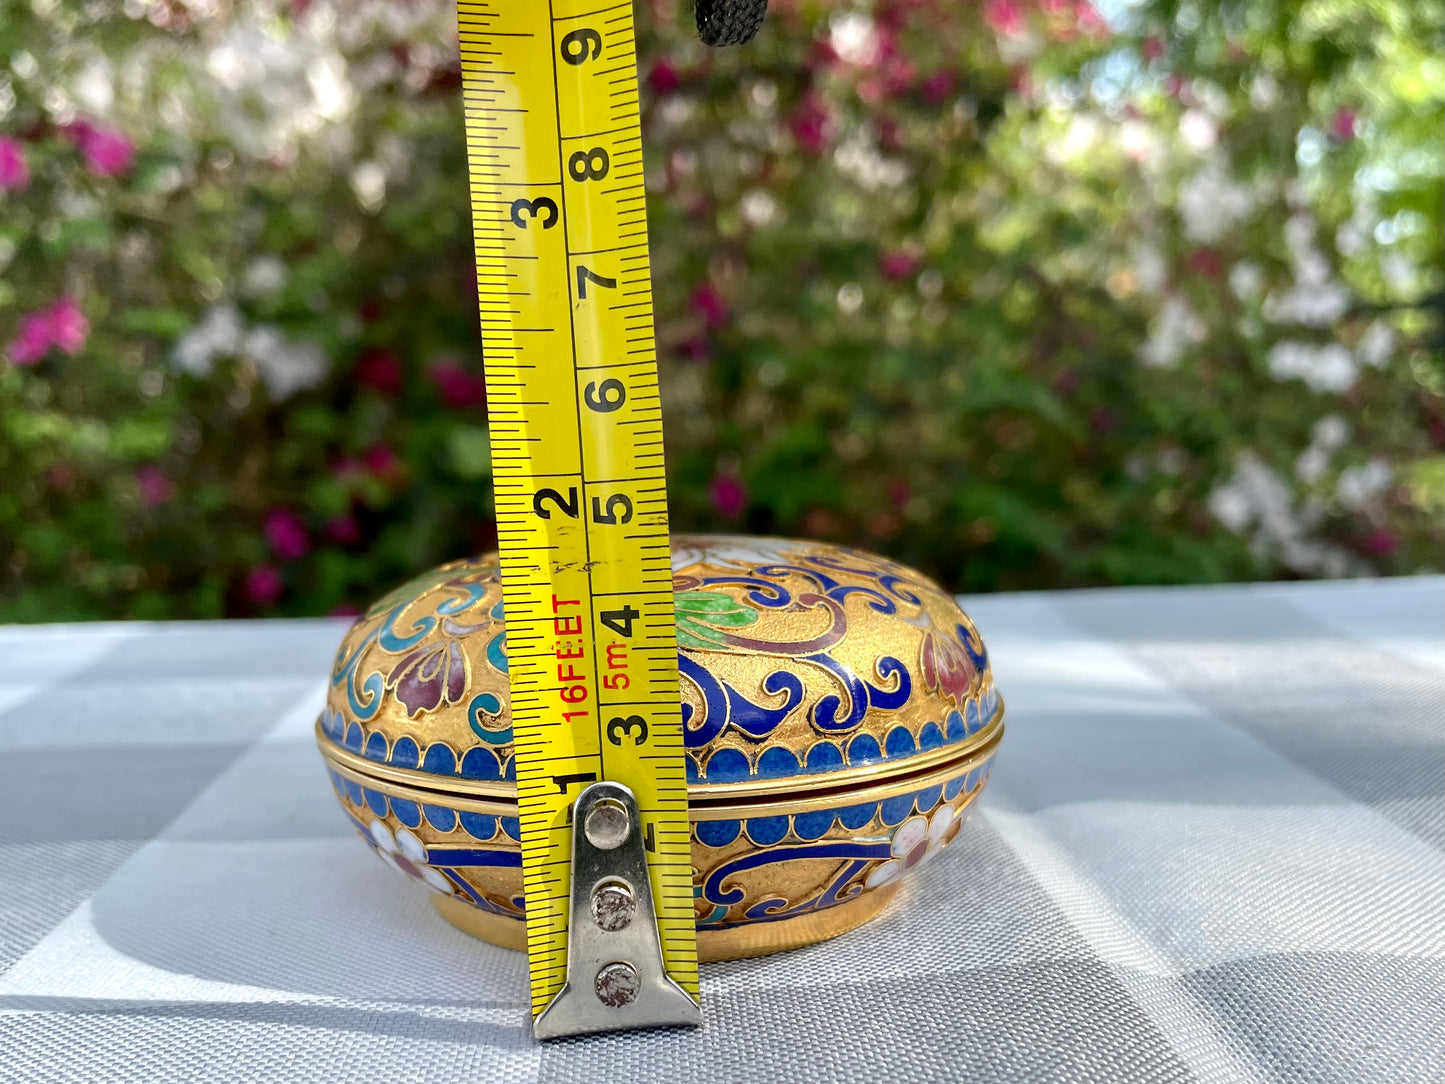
column 1211, row 850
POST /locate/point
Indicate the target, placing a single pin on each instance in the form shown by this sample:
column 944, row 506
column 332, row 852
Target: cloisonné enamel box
column 840, row 714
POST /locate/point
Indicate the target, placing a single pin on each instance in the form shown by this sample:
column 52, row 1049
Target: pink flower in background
column 663, row 77
column 155, row 488
column 461, row 390
column 347, row 468
column 937, row 87
column 286, row 534
column 381, row 370
column 14, row 170
column 696, row 348
column 1089, row 20
column 345, row 609
column 263, row 585
column 33, row 341
column 1342, row 127
column 344, row 530
column 381, row 462
column 1004, row 16
column 1381, row 543
column 1204, row 261
column 729, row 495
column 897, row 265
column 899, row 492
column 822, row 55
column 62, row 324
column 812, row 124
column 107, row 151
column 889, row 136
column 708, row 302
column 1153, row 48
column 68, row 326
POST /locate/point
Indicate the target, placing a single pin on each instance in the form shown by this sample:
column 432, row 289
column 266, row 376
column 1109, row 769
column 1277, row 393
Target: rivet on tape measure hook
column 564, row 290
column 615, row 976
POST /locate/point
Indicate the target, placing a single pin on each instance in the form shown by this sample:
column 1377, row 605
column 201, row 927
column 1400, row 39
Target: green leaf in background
column 1028, row 295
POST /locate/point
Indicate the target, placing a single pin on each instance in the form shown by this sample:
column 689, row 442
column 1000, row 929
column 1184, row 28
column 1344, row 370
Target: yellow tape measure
column 554, row 147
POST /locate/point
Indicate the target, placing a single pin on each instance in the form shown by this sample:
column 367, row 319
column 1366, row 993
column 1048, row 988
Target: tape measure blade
column 565, row 306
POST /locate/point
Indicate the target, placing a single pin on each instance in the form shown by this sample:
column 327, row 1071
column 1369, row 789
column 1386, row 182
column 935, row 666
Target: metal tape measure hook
column 615, row 975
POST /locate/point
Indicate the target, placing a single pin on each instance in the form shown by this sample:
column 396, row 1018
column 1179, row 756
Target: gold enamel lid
column 804, row 666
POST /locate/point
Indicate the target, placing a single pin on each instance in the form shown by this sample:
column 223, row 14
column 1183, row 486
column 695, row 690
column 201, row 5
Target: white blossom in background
column 1015, row 48
column 1377, row 345
column 263, row 276
column 1150, row 268
column 1141, row 142
column 1331, row 431
column 1246, row 280
column 1360, row 485
column 284, row 365
column 276, row 91
column 858, row 159
column 94, row 85
column 368, row 184
column 853, row 37
column 1171, row 333
column 1316, row 299
column 1327, row 436
column 758, row 208
column 216, row 335
column 1308, row 304
column 1211, row 204
column 1311, row 464
column 1080, row 139
column 1256, row 501
column 1198, row 131
column 1400, row 273
column 1325, row 367
column 1263, row 91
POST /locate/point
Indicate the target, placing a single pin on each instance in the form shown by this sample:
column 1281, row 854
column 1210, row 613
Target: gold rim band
column 734, row 943
column 779, row 788
column 802, row 801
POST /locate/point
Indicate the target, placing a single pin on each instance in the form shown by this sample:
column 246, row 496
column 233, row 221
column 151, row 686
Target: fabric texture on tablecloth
column 1211, row 850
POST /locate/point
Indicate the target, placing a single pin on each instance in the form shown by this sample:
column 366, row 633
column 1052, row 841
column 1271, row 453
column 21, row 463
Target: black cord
column 729, row 22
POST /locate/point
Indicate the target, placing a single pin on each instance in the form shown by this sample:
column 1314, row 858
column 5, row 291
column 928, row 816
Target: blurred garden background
column 1029, row 293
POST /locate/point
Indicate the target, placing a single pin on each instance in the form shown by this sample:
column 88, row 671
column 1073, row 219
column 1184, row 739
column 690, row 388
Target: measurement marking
column 597, row 11
column 600, row 251
column 614, row 365
column 594, row 135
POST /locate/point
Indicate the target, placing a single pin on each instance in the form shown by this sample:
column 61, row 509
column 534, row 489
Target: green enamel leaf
column 702, row 614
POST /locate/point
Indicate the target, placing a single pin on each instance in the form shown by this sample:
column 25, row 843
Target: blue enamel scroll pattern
column 410, row 649
column 857, row 839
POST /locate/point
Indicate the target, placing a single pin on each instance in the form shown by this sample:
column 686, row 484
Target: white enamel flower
column 403, row 851
column 916, row 840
